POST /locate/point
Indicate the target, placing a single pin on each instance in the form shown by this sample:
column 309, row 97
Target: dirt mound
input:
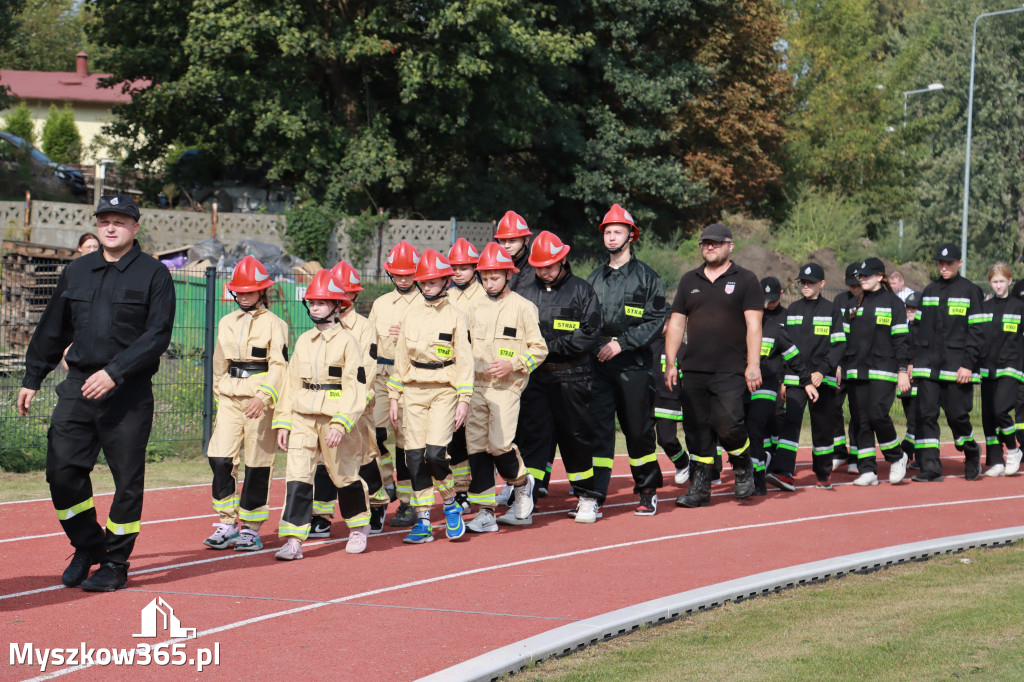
column 765, row 262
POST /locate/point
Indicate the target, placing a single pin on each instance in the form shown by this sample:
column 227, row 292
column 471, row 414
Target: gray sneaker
column 483, row 522
column 523, row 504
column 248, row 541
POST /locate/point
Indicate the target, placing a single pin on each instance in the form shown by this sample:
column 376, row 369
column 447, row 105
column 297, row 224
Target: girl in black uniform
column 1001, row 372
column 875, row 367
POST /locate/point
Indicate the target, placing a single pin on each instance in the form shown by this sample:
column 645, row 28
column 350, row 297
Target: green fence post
column 211, row 321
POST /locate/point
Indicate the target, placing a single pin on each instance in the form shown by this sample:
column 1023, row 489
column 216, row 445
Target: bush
column 308, row 229
column 820, row 219
column 19, row 122
column 22, row 461
column 61, row 141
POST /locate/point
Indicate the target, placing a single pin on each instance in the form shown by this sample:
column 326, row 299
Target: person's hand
column 64, row 359
column 963, row 376
column 816, row 378
column 670, row 380
column 782, row 392
column 903, row 382
column 461, row 412
column 25, row 397
column 499, row 368
column 609, row 351
column 254, row 410
column 753, row 377
column 812, row 392
column 97, row 385
column 394, row 329
column 334, row 435
column 393, row 412
column 282, row 439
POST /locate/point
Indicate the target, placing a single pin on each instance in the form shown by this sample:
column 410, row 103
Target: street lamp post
column 906, row 95
column 970, row 121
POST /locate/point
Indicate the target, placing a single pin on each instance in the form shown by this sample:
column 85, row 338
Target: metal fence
column 182, row 388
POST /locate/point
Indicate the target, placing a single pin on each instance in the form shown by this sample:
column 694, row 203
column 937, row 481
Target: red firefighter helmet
column 325, row 287
column 249, row 275
column 431, row 266
column 547, row 250
column 617, row 214
column 348, row 276
column 496, row 257
column 403, row 259
column 463, row 253
column 512, row 226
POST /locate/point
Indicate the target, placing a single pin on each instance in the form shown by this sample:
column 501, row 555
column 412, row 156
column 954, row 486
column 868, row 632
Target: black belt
column 385, row 361
column 559, row 366
column 241, row 370
column 432, row 365
column 321, row 387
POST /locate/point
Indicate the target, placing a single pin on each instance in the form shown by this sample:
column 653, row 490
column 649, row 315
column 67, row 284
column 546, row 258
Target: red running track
column 404, row 611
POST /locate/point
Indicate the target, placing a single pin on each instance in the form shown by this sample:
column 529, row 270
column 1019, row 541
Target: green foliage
column 362, row 231
column 821, row 219
column 19, row 461
column 663, row 256
column 9, row 20
column 61, row 140
column 309, row 229
column 18, row 121
column 50, row 33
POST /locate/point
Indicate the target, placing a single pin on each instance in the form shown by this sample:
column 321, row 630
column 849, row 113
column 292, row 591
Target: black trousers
column 823, row 430
column 624, row 387
column 956, row 400
column 842, row 450
column 998, row 397
column 713, row 415
column 761, row 412
column 119, row 423
column 668, row 415
column 909, row 412
column 555, row 411
column 870, row 401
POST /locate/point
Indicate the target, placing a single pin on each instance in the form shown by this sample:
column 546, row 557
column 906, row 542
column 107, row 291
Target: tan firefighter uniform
column 249, row 360
column 458, row 452
column 433, row 372
column 386, row 311
column 326, row 386
column 502, row 329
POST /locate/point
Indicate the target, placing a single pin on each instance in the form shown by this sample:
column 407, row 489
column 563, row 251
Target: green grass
column 947, row 618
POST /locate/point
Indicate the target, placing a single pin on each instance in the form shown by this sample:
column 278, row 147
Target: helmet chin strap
column 499, row 291
column 322, row 320
column 401, row 290
column 248, row 308
column 616, row 250
column 440, row 294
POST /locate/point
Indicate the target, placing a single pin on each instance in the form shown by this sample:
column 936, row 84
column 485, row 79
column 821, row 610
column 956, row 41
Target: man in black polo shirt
column 719, row 306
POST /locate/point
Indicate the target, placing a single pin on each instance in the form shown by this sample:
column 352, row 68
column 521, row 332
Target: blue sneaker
column 421, row 532
column 454, row 528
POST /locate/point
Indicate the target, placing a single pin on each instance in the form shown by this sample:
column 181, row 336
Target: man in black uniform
column 555, row 407
column 514, row 234
column 947, row 351
column 719, row 305
column 841, row 457
column 632, row 300
column 115, row 307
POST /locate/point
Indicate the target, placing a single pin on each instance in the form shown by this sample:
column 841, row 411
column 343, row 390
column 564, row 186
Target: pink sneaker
column 292, row 550
column 356, row 541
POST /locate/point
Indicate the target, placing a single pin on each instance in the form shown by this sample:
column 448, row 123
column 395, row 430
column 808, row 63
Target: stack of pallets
column 27, row 280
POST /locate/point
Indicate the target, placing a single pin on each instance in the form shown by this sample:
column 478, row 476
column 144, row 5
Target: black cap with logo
column 948, row 253
column 811, row 272
column 772, row 289
column 118, row 203
column 851, row 275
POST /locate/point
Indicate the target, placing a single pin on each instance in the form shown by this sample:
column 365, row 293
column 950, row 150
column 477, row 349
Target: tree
column 8, row 18
column 50, row 33
column 61, row 140
column 18, row 121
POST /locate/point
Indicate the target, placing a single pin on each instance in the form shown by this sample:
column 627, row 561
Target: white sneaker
column 851, row 468
column 1013, row 458
column 356, row 541
column 838, row 464
column 523, row 504
column 291, row 551
column 586, row 510
column 483, row 522
column 898, row 470
column 682, row 476
column 867, row 478
column 996, row 470
column 509, row 519
column 503, row 496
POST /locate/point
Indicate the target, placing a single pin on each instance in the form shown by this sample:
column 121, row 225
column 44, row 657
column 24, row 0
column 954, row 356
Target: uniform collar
column 239, row 314
column 624, row 268
column 349, row 320
column 730, row 270
column 122, row 263
column 330, row 332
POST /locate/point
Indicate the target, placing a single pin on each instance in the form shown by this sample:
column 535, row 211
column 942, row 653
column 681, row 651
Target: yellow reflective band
column 380, row 496
column 703, row 460
column 359, row 521
column 640, row 461
column 343, row 420
column 445, row 488
column 484, row 500
column 443, row 352
column 254, row 515
column 282, row 424
column 269, row 389
column 388, row 460
column 580, row 475
column 71, row 512
column 566, row 325
column 405, row 489
column 538, row 474
column 742, row 449
column 422, row 499
column 395, row 383
column 226, row 503
column 634, row 312
column 323, row 507
column 284, row 528
column 604, row 462
column 460, row 470
column 506, row 353
column 123, row 528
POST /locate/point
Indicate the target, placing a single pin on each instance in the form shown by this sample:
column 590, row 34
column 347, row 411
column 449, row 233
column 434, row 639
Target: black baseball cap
column 914, row 299
column 118, row 203
column 811, row 272
column 851, row 275
column 772, row 288
column 716, row 232
column 948, row 253
column 870, row 266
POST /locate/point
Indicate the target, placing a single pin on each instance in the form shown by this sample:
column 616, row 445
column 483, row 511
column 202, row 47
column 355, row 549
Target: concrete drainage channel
column 570, row 638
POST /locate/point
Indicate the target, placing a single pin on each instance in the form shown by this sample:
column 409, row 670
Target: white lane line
column 551, row 557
